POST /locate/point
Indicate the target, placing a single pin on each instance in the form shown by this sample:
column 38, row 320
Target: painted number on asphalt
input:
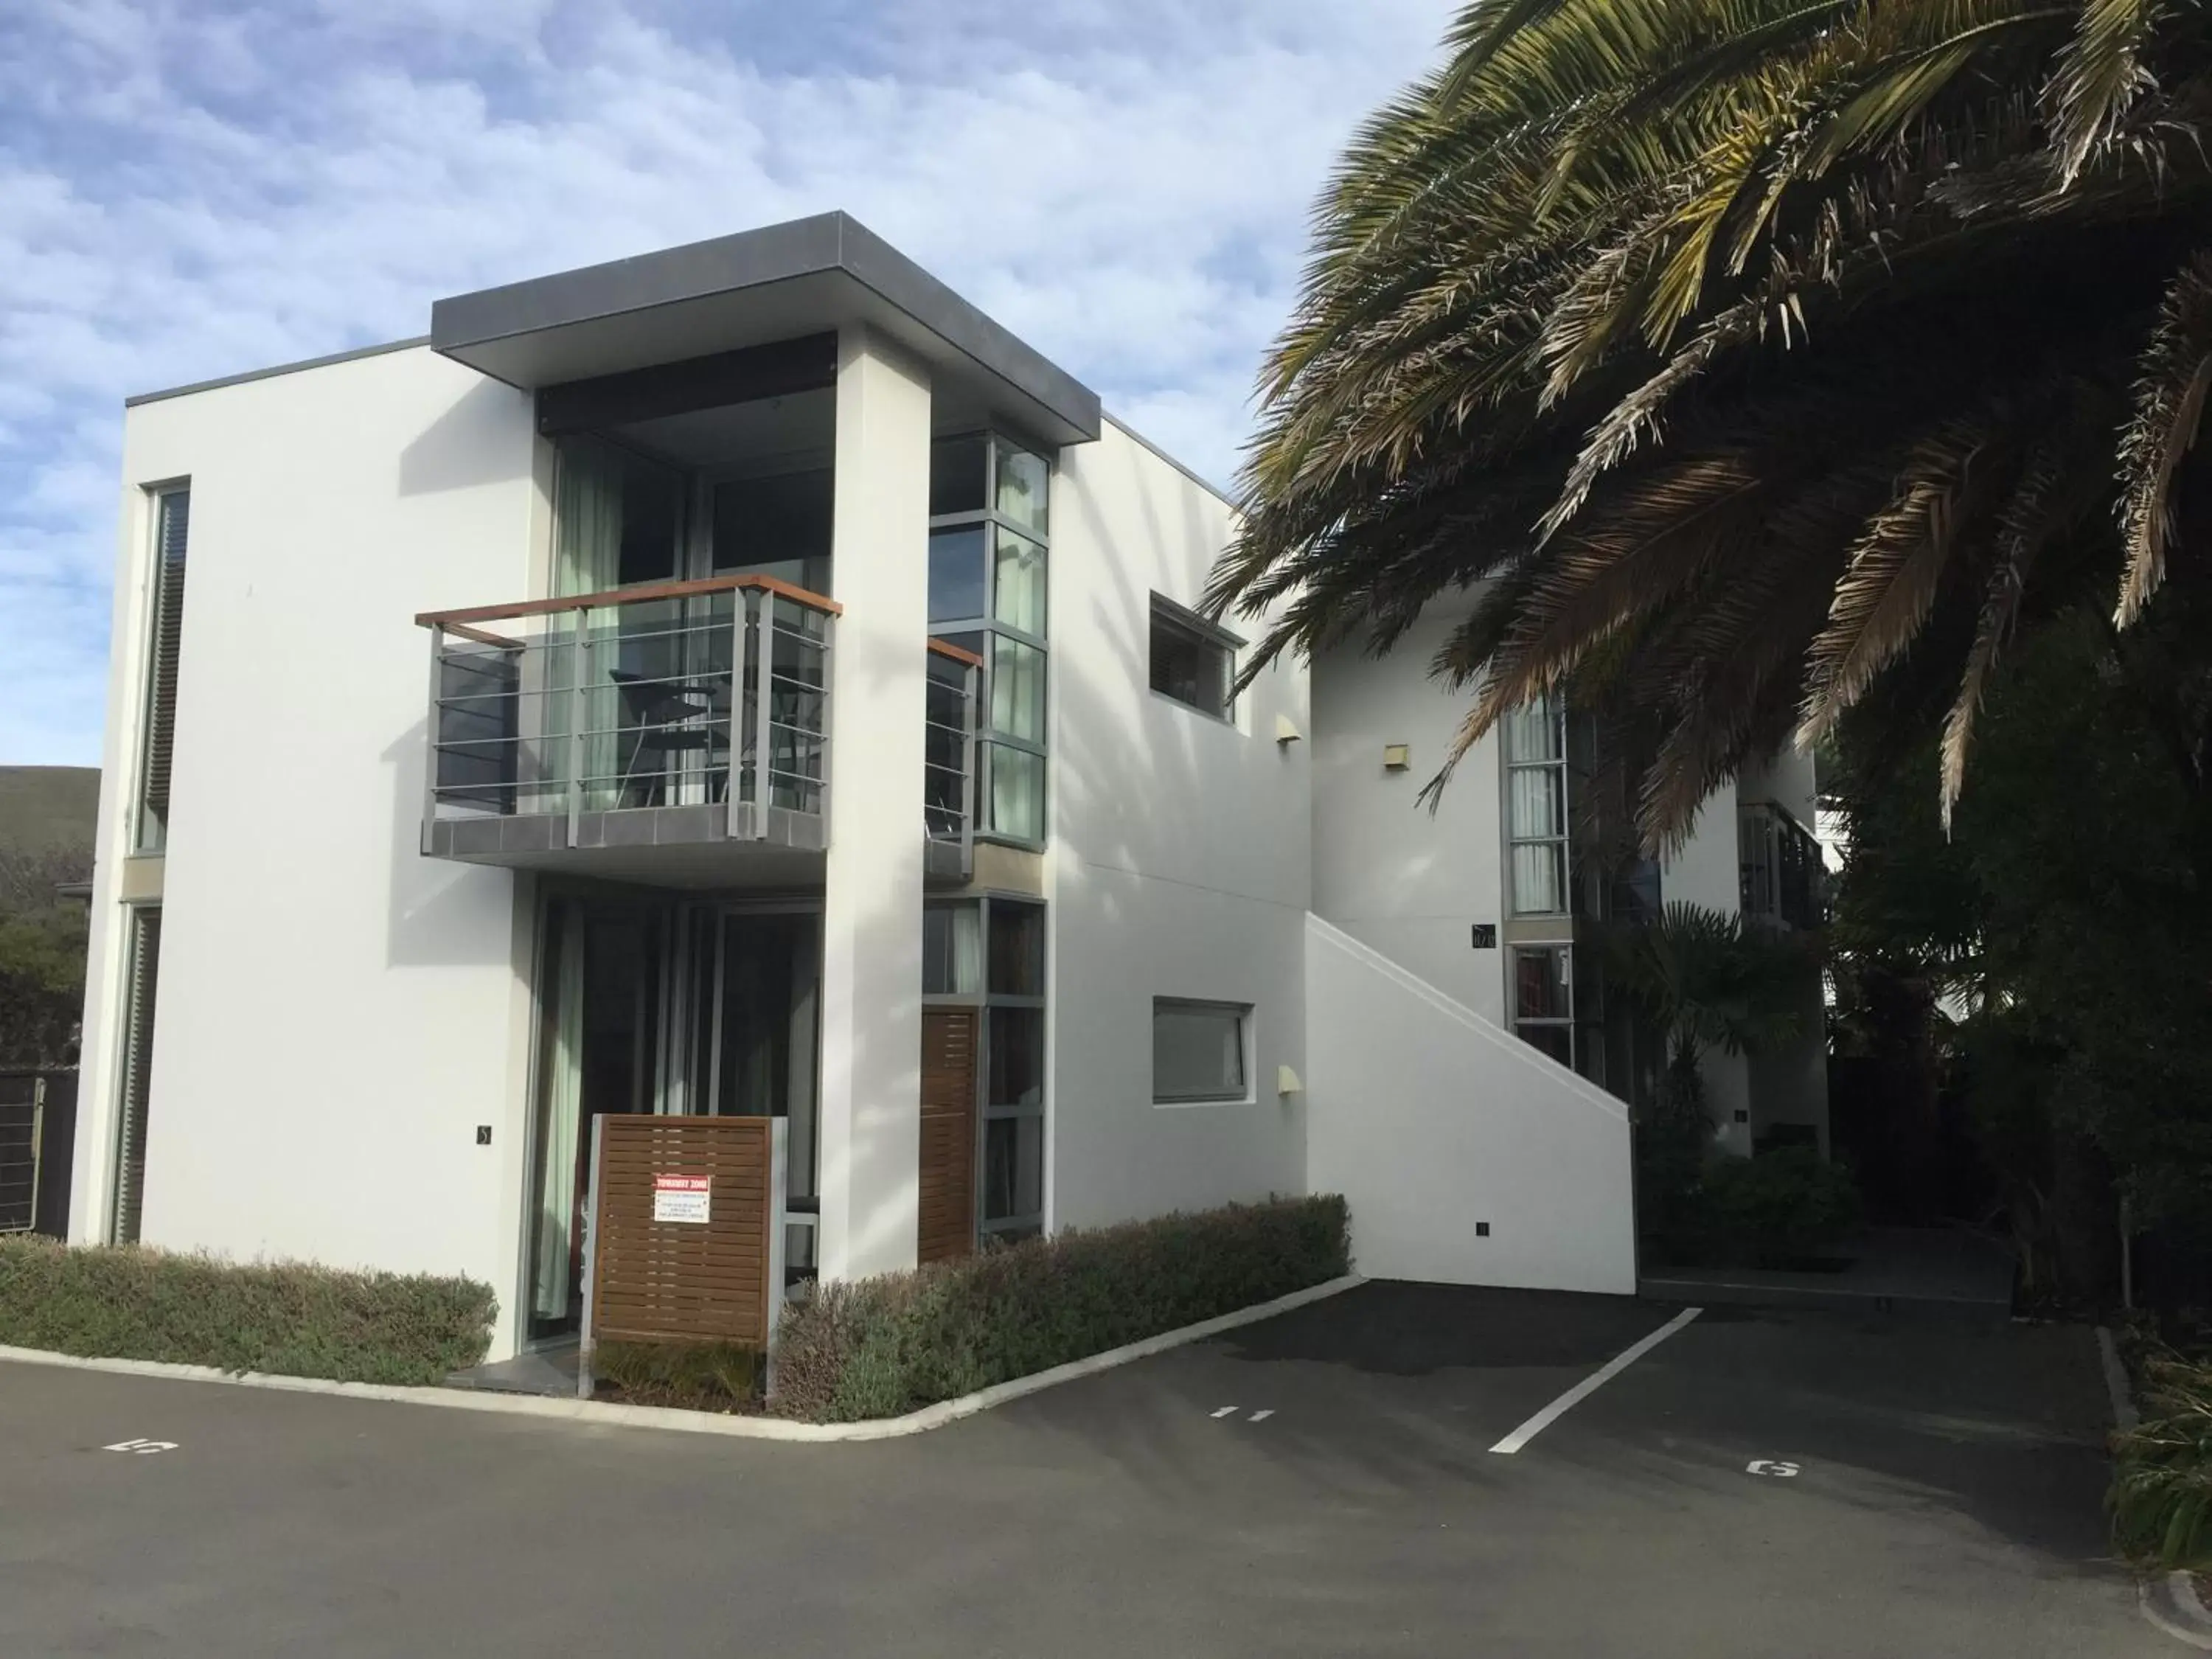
column 142, row 1447
column 1771, row 1466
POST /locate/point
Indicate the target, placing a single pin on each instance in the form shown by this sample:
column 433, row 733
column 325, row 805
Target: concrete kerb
column 608, row 1414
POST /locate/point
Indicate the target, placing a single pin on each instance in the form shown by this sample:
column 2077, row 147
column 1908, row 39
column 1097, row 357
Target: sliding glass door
column 653, row 1003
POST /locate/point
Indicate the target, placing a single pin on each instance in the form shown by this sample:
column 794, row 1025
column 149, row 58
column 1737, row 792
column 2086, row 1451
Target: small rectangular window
column 952, row 949
column 956, row 574
column 1198, row 1050
column 1193, row 663
column 1543, row 1000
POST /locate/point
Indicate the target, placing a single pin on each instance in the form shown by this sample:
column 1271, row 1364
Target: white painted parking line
column 1226, row 1411
column 1261, row 1417
column 1590, row 1384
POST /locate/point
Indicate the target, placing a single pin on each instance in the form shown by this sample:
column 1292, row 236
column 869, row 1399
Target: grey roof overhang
column 778, row 282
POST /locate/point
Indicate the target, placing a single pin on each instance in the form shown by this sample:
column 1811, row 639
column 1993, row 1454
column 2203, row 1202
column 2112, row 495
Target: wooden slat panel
column 684, row 1281
column 947, row 1229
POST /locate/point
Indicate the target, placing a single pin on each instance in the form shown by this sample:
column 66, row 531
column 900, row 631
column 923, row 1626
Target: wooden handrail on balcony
column 945, row 648
column 455, row 621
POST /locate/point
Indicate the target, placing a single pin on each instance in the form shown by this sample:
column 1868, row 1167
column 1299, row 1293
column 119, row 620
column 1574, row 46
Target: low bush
column 877, row 1347
column 1779, row 1207
column 699, row 1376
column 2161, row 1495
column 288, row 1317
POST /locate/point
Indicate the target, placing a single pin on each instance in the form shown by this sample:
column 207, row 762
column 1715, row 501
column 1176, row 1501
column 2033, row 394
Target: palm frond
column 2177, row 374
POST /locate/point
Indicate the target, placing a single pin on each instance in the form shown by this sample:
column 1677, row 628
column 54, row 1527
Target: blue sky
column 188, row 190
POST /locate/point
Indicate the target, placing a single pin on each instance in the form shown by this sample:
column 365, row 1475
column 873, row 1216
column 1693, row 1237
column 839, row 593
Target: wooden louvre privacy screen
column 684, row 1280
column 946, row 1226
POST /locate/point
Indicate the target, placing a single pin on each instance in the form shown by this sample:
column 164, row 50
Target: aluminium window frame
column 156, row 496
column 1208, row 632
column 1563, row 838
column 1248, row 1052
column 990, row 520
column 983, row 1000
column 1564, row 950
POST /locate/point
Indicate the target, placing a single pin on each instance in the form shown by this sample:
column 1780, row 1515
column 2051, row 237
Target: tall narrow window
column 1536, row 807
column 134, row 1091
column 989, row 535
column 165, row 639
column 989, row 955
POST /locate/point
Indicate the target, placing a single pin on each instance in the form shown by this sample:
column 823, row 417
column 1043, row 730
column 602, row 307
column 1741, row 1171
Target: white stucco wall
column 337, row 1013
column 1428, row 1119
column 871, row 916
column 1707, row 872
column 1179, row 859
column 1409, row 881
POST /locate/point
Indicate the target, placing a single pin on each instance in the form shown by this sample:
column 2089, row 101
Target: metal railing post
column 580, row 664
column 969, row 782
column 828, row 652
column 436, row 718
column 733, row 790
column 763, row 673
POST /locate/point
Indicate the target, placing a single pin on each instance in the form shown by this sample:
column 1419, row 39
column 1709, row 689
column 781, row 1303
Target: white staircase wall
column 1429, row 1119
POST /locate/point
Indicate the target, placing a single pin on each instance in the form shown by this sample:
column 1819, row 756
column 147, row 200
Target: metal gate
column 23, row 1112
column 38, row 1130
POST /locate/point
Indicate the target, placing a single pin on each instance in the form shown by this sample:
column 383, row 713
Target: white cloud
column 187, row 190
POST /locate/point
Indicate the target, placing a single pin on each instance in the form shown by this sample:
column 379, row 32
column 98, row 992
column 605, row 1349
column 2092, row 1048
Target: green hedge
column 288, row 1318
column 877, row 1347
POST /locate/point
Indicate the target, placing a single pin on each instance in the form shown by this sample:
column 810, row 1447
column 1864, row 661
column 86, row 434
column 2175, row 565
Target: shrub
column 877, row 1347
column 700, row 1377
column 1780, row 1207
column 2161, row 1496
column 289, row 1318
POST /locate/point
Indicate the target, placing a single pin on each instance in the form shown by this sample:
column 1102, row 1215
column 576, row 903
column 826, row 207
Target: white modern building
column 747, row 679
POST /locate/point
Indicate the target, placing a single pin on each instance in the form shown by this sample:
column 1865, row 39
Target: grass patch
column 287, row 1318
column 882, row 1347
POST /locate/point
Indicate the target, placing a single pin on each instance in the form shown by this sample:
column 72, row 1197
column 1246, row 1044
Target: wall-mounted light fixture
column 1285, row 733
column 1397, row 756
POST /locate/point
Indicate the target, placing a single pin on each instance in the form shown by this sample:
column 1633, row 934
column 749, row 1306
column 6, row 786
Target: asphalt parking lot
column 1320, row 1484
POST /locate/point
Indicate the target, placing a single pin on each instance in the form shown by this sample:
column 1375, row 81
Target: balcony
column 1784, row 879
column 675, row 732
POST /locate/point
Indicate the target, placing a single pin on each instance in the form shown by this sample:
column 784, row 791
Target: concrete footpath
column 1323, row 1483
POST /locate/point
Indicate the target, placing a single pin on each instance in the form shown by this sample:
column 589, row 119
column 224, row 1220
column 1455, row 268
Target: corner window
column 1199, row 1051
column 164, row 651
column 1536, row 807
column 989, row 555
column 1191, row 662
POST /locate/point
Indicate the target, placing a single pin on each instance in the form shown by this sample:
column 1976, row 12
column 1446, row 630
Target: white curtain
column 564, row 1096
column 587, row 526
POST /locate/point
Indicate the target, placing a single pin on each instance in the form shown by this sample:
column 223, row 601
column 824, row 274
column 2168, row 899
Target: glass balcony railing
column 674, row 713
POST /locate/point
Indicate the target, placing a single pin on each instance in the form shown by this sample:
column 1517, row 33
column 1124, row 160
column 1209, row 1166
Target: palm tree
column 1705, row 982
column 1738, row 349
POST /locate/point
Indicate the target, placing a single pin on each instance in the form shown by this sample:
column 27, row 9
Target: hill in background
column 43, row 806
